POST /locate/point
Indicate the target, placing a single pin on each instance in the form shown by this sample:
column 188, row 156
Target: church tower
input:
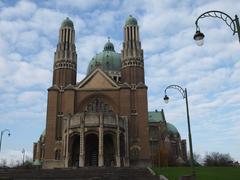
column 132, row 54
column 65, row 57
column 132, row 72
column 61, row 94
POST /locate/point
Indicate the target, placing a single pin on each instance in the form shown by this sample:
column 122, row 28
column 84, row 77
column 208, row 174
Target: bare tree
column 218, row 159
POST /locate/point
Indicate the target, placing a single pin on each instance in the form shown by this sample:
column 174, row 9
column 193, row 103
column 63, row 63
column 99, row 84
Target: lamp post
column 2, row 132
column 232, row 23
column 185, row 96
column 23, row 152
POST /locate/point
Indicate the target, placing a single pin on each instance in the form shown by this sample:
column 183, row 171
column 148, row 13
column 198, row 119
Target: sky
column 211, row 73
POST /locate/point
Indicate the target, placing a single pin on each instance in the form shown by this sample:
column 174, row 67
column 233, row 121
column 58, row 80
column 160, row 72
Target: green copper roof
column 107, row 60
column 67, row 23
column 172, row 129
column 109, row 46
column 37, row 162
column 156, row 116
column 131, row 21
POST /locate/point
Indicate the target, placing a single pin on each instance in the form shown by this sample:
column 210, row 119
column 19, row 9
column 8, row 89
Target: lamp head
column 199, row 38
column 166, row 99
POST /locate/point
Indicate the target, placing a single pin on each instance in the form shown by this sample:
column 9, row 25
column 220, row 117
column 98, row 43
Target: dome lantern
column 131, row 21
column 67, row 23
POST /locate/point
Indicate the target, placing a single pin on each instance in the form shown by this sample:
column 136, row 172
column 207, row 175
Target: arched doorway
column 74, row 150
column 91, row 150
column 109, row 151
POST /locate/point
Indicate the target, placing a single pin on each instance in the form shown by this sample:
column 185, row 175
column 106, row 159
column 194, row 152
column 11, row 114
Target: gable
column 97, row 80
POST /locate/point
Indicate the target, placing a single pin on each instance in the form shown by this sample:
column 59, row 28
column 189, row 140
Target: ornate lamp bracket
column 221, row 15
column 177, row 87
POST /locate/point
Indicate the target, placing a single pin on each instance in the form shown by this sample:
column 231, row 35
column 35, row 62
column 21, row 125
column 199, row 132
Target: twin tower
column 102, row 120
column 65, row 60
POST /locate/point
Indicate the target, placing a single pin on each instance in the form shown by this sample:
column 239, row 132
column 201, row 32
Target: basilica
column 103, row 120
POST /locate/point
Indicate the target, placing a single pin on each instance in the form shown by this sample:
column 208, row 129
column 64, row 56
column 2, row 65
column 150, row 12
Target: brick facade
column 112, row 112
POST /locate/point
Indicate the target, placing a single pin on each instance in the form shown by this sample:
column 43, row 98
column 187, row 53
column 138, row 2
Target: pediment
column 97, row 80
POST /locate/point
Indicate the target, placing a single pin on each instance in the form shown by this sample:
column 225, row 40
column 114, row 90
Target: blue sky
column 211, row 73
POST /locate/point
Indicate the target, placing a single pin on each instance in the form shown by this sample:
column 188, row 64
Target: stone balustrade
column 93, row 120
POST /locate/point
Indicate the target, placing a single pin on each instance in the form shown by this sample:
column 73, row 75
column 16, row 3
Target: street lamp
column 232, row 23
column 23, row 152
column 2, row 132
column 184, row 95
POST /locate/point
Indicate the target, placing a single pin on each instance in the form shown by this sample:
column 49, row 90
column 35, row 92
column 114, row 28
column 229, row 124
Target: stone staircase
column 91, row 173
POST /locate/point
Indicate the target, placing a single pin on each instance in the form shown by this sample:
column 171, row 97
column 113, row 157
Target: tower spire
column 132, row 54
column 65, row 57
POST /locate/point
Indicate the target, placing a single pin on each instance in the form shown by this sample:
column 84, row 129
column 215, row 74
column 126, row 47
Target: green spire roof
column 67, row 23
column 131, row 21
column 107, row 60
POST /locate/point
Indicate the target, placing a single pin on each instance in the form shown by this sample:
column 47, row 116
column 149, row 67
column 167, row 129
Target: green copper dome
column 108, row 46
column 107, row 60
column 67, row 23
column 131, row 21
column 172, row 129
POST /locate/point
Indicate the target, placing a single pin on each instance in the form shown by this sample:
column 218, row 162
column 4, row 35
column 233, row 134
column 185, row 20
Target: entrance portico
column 94, row 139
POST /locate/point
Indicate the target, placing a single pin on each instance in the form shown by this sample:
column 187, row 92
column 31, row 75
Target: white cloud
column 79, row 4
column 23, row 9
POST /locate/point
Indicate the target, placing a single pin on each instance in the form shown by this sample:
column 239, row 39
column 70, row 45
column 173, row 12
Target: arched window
column 58, row 154
column 98, row 105
column 135, row 153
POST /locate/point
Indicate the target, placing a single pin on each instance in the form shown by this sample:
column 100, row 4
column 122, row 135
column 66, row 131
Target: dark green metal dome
column 172, row 129
column 67, row 23
column 131, row 21
column 107, row 60
column 109, row 46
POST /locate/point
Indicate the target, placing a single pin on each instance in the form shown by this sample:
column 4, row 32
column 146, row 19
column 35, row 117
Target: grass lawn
column 203, row 173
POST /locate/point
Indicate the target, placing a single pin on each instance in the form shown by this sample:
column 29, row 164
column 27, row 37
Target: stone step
column 91, row 173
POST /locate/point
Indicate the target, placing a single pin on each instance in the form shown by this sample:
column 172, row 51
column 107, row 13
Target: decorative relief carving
column 98, row 105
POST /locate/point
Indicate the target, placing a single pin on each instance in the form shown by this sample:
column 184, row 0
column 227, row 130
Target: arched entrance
column 74, row 150
column 91, row 150
column 109, row 151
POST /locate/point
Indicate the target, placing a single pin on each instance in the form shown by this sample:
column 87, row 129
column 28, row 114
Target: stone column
column 126, row 162
column 67, row 141
column 100, row 142
column 118, row 162
column 38, row 153
column 82, row 142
